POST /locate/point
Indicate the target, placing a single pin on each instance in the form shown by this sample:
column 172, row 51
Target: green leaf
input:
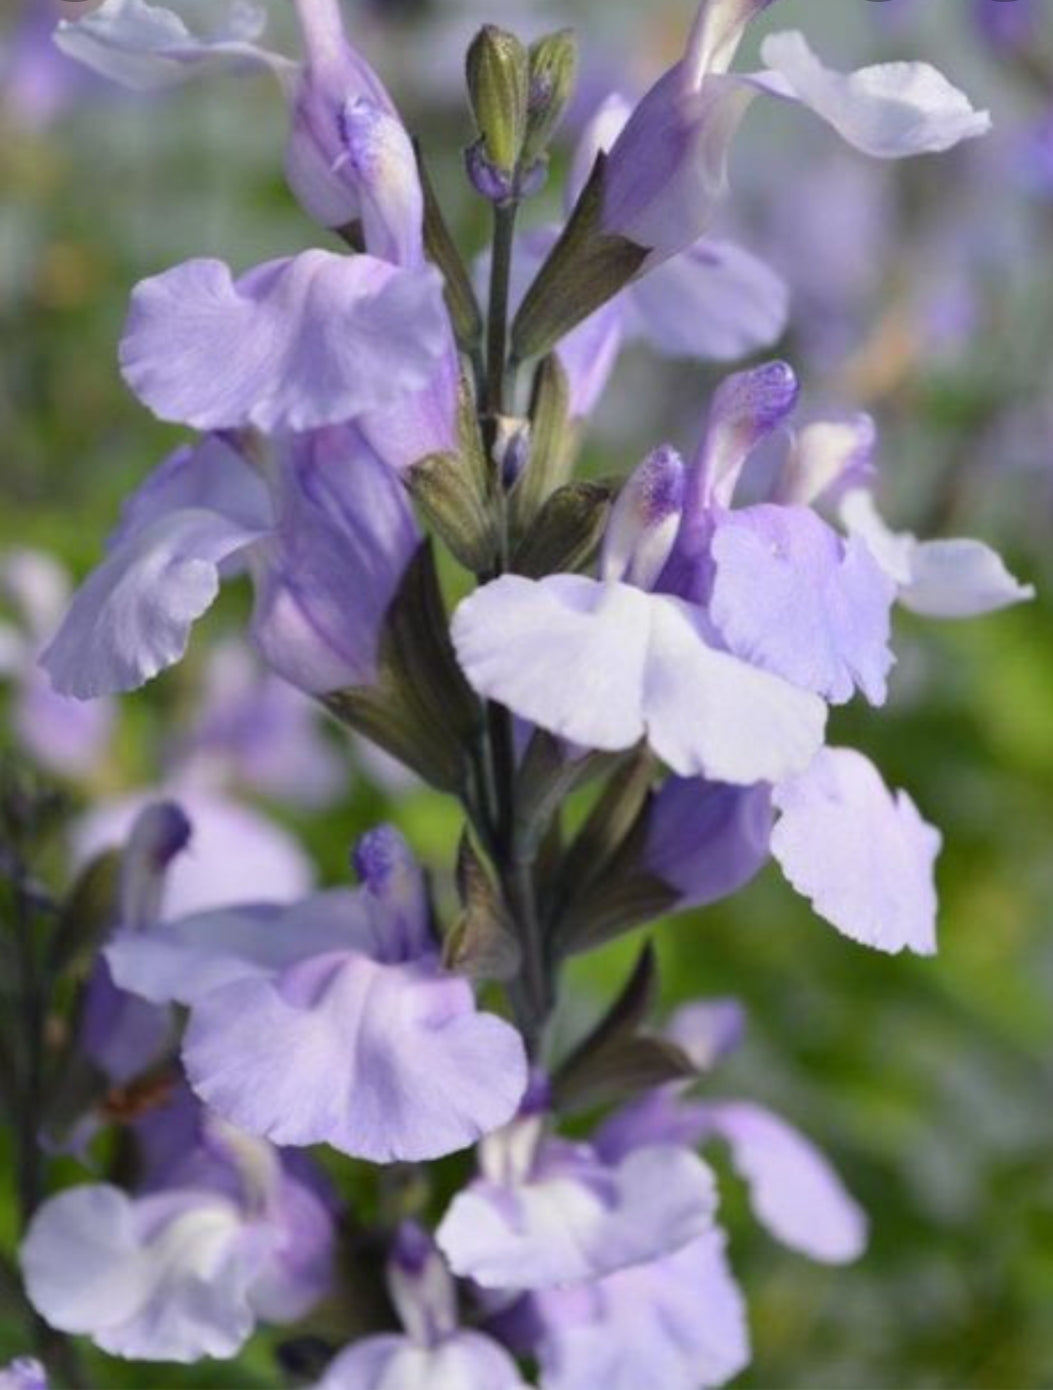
column 566, row 533
column 421, row 709
column 586, row 268
column 616, row 1061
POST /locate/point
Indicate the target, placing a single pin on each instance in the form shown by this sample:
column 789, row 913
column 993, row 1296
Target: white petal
column 711, row 715
column 793, row 1189
column 862, row 857
column 566, row 653
column 889, row 111
column 579, row 1221
column 960, row 579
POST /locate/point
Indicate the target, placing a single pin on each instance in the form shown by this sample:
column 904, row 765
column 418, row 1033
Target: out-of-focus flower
column 254, row 731
column 333, row 1020
column 184, row 1270
column 235, row 854
column 65, row 736
column 24, row 1373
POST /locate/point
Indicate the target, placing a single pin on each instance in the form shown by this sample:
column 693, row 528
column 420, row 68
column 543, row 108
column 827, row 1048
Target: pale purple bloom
column 235, row 854
column 148, row 47
column 254, row 730
column 547, row 1212
column 939, row 578
column 716, row 301
column 294, row 344
column 678, row 1322
column 668, row 168
column 346, row 143
column 793, row 1190
column 792, row 597
column 24, row 1373
column 863, row 857
column 604, row 663
column 333, row 1020
column 328, row 545
column 784, row 591
column 183, row 1271
column 434, row 1352
column 119, row 1032
column 65, row 736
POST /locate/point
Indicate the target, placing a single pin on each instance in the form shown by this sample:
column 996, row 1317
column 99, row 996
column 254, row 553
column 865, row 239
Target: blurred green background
column 929, row 1082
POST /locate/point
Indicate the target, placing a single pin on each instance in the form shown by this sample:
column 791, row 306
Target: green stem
column 497, row 317
column 514, row 862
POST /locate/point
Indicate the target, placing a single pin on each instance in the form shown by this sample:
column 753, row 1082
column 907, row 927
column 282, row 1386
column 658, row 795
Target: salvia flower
column 333, row 1021
column 606, row 662
column 184, row 1270
column 667, row 170
column 327, row 541
column 546, row 1212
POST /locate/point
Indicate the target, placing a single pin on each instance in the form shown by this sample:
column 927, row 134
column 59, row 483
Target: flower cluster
column 663, row 651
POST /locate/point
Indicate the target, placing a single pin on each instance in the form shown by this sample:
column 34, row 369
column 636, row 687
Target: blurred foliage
column 930, row 1083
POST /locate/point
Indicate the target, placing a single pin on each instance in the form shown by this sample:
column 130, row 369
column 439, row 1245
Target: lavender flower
column 545, row 1212
column 605, row 662
column 328, row 543
column 333, row 1021
column 185, row 1270
column 667, row 170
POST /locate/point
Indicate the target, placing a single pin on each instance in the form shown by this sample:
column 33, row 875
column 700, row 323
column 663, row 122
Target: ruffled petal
column 183, row 961
column 716, row 301
column 566, row 653
column 148, row 47
column 711, row 715
column 578, row 1220
column 162, row 1278
column 938, row 579
column 794, row 1191
column 889, row 111
column 132, row 617
column 862, row 857
column 385, row 1062
column 792, row 597
column 678, row 1323
column 210, row 475
column 311, row 340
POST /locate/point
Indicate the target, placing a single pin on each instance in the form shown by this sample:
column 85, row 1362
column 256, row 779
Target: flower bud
column 553, row 73
column 498, row 71
column 645, row 520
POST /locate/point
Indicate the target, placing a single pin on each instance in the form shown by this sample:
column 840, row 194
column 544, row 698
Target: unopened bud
column 498, row 70
column 553, row 73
